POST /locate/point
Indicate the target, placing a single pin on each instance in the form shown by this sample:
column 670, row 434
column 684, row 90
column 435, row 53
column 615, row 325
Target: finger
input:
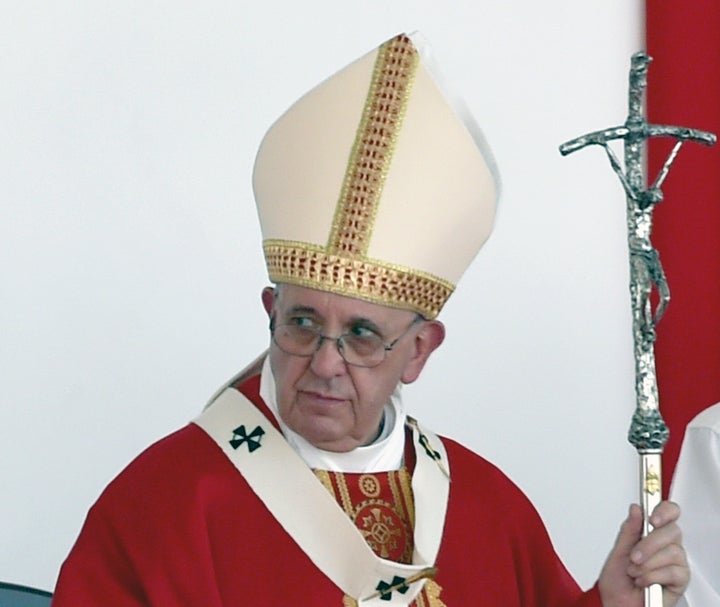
column 656, row 542
column 669, row 556
column 667, row 566
column 664, row 513
column 673, row 579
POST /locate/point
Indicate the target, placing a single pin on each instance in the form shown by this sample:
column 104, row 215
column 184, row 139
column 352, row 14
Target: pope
column 305, row 481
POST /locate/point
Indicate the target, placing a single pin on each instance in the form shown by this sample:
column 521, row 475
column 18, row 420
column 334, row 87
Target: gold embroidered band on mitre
column 386, row 284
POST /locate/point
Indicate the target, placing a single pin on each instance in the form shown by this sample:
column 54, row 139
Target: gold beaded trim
column 373, row 148
column 311, row 266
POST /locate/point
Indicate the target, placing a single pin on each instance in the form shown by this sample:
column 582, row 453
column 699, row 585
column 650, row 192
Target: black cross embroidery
column 428, row 449
column 241, row 436
column 386, row 590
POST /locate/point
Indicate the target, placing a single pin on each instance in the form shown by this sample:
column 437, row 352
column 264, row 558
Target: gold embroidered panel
column 373, row 148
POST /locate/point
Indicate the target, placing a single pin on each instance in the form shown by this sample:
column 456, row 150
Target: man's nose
column 327, row 360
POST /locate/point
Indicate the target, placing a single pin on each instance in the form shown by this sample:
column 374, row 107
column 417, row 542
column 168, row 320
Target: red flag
column 684, row 89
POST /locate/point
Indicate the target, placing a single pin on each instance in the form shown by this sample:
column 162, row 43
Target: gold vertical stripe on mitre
column 374, row 144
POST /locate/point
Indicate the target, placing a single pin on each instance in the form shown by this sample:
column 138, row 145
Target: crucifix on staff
column 648, row 432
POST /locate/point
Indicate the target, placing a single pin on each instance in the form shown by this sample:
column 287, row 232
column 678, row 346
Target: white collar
column 385, row 453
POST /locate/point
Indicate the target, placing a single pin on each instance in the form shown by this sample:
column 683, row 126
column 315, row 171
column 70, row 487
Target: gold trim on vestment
column 344, row 493
column 404, row 486
column 431, row 592
column 324, row 477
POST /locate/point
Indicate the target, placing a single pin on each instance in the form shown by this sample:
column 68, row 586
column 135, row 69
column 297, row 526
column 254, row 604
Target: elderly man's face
column 333, row 405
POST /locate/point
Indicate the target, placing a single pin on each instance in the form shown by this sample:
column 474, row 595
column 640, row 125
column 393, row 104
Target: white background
column 130, row 256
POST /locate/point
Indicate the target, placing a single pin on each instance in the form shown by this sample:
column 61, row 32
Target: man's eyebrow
column 302, row 310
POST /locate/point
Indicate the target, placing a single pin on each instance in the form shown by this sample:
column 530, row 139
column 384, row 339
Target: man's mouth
column 320, row 398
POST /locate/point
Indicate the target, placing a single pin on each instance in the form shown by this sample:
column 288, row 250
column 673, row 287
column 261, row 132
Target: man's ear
column 268, row 300
column 429, row 337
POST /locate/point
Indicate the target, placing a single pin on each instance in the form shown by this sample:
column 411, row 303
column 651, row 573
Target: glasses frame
column 339, row 342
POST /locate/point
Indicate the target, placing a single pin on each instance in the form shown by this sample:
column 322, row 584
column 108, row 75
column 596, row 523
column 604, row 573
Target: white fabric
column 386, row 453
column 696, row 488
column 313, row 518
column 458, row 104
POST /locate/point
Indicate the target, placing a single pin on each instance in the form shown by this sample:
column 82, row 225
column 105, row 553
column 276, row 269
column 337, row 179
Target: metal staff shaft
column 651, row 495
column 648, row 432
column 639, row 229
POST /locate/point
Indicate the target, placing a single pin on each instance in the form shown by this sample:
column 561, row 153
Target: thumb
column 629, row 533
column 614, row 582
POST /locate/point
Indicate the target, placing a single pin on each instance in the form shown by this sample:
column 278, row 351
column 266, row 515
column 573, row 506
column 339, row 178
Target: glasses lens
column 363, row 351
column 295, row 340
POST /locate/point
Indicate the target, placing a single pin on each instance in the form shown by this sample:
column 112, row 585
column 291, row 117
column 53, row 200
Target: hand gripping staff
column 648, row 432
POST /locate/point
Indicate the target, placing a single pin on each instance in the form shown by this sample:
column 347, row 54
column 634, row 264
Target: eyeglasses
column 359, row 347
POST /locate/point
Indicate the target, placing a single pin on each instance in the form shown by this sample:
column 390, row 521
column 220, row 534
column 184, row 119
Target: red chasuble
column 180, row 527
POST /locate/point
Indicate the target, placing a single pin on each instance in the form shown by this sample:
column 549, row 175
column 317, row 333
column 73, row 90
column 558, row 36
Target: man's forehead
column 297, row 298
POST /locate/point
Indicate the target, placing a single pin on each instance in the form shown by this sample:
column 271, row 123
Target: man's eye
column 363, row 332
column 302, row 322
